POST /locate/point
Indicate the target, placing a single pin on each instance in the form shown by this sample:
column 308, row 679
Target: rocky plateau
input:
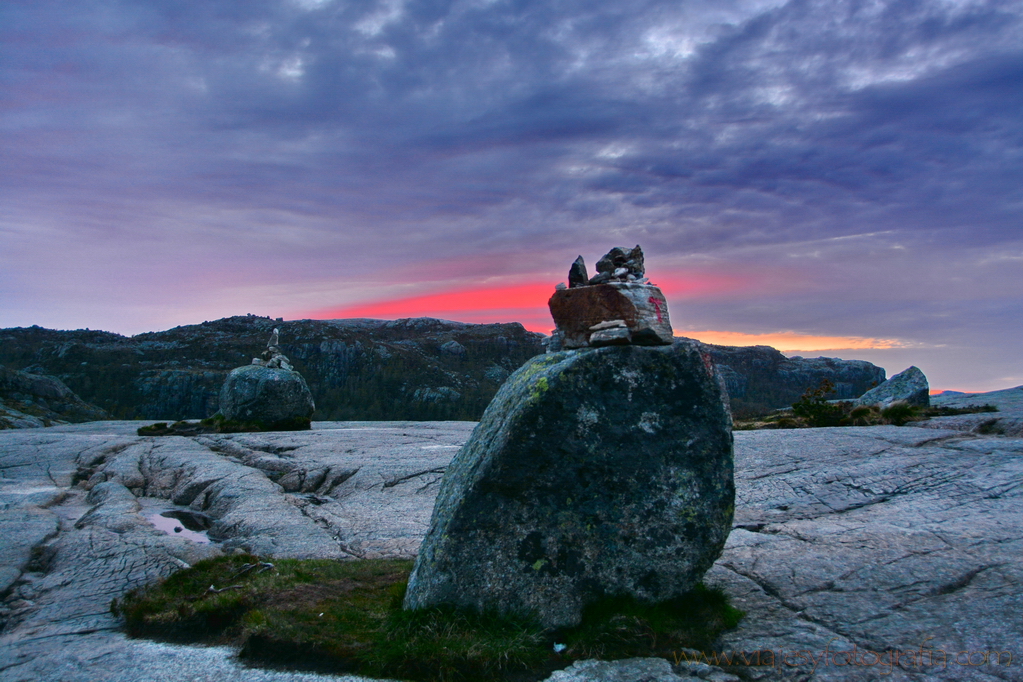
column 419, row 368
column 859, row 553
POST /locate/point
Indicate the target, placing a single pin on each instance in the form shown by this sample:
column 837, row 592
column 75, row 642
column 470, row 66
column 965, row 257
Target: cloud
column 178, row 157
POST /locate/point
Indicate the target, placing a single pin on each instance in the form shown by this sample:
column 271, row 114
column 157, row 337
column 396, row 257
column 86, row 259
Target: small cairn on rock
column 268, row 393
column 617, row 306
column 595, row 472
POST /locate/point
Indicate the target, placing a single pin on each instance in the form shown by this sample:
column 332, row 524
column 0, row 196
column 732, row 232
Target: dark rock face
column 361, row 369
column 596, row 472
column 577, row 275
column 266, row 395
column 32, row 400
column 760, row 378
column 356, row 369
column 909, row 386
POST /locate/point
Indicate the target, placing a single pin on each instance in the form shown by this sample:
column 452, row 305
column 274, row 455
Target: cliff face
column 416, row 369
column 30, row 400
column 357, row 369
column 760, row 378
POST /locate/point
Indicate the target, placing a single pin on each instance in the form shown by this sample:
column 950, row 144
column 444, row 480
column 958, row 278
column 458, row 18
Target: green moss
column 347, row 617
column 539, row 388
column 218, row 424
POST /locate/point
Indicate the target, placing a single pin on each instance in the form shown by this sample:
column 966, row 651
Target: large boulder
column 594, row 472
column 908, row 386
column 582, row 312
column 265, row 395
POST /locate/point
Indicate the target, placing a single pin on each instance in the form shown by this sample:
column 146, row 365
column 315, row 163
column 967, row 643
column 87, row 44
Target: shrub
column 814, row 408
column 901, row 412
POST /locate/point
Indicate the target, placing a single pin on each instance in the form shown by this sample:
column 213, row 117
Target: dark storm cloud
column 275, row 139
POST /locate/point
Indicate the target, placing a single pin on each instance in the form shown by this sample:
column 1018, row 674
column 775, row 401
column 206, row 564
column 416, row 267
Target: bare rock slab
column 604, row 471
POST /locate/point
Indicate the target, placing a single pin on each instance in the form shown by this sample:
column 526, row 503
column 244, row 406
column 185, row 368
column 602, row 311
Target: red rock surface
column 641, row 306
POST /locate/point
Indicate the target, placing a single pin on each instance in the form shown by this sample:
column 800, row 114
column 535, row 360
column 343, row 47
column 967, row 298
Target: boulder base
column 641, row 306
column 267, row 395
column 909, row 385
column 604, row 471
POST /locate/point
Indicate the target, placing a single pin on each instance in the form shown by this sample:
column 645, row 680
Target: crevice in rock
column 961, row 582
column 273, row 449
column 795, row 608
column 316, row 517
column 390, row 483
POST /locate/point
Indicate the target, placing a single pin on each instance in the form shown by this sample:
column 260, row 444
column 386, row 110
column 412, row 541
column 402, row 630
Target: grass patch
column 346, row 616
column 813, row 409
column 218, row 424
column 849, row 414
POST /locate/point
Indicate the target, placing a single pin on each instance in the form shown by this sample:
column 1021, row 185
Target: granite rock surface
column 909, row 386
column 846, row 542
column 267, row 395
column 594, row 472
column 29, row 400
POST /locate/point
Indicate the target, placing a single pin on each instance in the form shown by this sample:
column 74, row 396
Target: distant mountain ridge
column 359, row 369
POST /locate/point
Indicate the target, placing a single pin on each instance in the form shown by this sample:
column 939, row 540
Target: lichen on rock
column 595, row 472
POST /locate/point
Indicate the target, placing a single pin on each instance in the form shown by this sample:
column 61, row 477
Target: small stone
column 614, row 336
column 577, row 276
column 620, row 257
column 453, row 348
column 559, row 286
column 600, row 278
column 609, row 324
column 620, row 272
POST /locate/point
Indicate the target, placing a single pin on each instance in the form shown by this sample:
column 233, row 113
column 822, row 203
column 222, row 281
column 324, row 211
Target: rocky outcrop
column 265, row 395
column 909, row 386
column 760, row 379
column 416, row 368
column 850, row 546
column 31, row 400
column 362, row 369
column 596, row 472
column 268, row 392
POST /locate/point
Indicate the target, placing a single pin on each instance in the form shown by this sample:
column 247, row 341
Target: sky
column 838, row 178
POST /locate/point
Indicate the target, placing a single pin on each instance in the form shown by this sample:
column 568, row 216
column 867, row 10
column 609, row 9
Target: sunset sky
column 830, row 178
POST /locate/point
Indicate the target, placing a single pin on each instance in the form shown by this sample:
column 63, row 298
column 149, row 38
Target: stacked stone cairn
column 599, row 471
column 268, row 392
column 617, row 306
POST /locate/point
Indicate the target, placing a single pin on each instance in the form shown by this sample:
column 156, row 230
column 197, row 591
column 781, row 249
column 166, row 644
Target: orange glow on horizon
column 792, row 341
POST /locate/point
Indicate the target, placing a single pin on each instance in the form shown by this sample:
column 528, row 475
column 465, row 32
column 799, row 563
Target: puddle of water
column 175, row 527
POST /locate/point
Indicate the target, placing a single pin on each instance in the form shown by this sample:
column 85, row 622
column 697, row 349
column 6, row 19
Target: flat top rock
column 864, row 539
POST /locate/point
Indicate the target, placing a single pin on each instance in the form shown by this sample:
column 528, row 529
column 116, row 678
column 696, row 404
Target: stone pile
column 268, row 392
column 617, row 306
column 594, row 472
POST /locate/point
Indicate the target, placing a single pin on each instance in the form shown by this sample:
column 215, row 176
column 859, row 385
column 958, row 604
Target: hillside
column 414, row 369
